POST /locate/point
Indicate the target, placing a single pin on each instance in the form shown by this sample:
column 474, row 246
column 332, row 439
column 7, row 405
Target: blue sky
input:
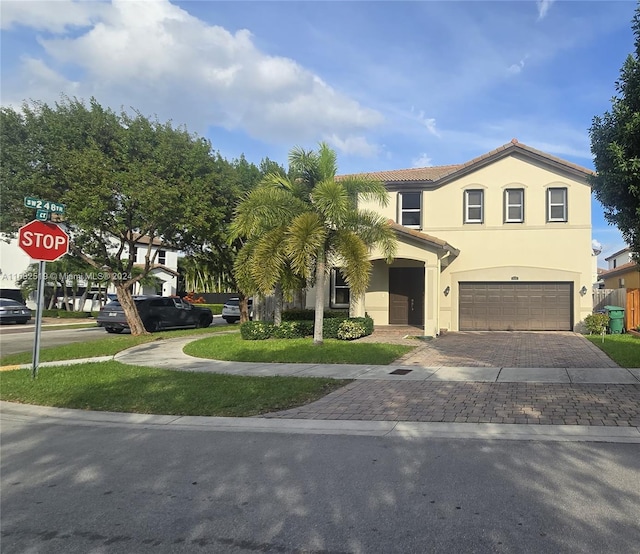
column 389, row 85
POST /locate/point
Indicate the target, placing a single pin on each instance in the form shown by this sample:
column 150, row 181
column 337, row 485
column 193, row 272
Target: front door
column 406, row 296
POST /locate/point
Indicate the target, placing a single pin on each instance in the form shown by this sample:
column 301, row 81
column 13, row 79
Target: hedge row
column 332, row 328
column 64, row 314
column 309, row 315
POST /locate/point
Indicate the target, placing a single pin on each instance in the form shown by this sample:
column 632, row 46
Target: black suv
column 156, row 313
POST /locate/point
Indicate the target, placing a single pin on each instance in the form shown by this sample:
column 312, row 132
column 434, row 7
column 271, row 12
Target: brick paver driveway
column 471, row 402
column 507, row 349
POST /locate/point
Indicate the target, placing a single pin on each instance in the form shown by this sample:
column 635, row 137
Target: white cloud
column 543, row 8
column 46, row 15
column 516, row 67
column 358, row 146
column 422, row 161
column 428, row 122
column 596, row 245
column 156, row 57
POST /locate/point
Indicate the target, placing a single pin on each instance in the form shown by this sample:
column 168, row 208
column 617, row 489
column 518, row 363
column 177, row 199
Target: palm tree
column 307, row 223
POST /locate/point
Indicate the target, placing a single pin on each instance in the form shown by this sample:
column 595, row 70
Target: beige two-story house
column 502, row 242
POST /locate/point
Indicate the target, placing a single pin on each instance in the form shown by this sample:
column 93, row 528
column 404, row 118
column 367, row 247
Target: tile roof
column 621, row 269
column 435, row 173
column 433, row 241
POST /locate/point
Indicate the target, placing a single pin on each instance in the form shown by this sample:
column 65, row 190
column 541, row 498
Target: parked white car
column 231, row 310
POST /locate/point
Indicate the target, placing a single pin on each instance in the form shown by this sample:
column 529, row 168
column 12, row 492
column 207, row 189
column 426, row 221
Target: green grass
column 115, row 387
column 104, row 346
column 622, row 349
column 232, row 347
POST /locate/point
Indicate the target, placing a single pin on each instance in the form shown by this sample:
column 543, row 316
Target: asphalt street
column 83, row 488
column 14, row 339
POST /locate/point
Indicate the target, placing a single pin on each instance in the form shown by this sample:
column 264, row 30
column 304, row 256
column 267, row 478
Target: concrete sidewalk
column 529, row 397
column 169, row 354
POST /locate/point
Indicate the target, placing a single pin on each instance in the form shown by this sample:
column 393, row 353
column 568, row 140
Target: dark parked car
column 156, row 313
column 12, row 311
column 231, row 310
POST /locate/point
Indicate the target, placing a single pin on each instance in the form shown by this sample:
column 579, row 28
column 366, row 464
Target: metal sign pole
column 39, row 308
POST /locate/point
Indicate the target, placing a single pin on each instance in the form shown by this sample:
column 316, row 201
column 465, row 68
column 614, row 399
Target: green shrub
column 49, row 313
column 64, row 314
column 330, row 327
column 355, row 328
column 216, row 309
column 309, row 315
column 350, row 330
column 293, row 329
column 596, row 323
column 256, row 330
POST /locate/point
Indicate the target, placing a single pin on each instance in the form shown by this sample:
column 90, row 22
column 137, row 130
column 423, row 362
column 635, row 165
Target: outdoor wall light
column 583, row 290
column 447, row 290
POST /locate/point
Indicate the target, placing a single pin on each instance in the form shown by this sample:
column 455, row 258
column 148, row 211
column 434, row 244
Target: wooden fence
column 632, row 309
column 629, row 299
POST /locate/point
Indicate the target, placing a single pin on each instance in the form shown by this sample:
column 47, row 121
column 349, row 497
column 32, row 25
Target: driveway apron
column 479, row 402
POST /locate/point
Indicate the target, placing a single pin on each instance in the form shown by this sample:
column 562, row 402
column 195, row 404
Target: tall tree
column 121, row 177
column 308, row 222
column 615, row 144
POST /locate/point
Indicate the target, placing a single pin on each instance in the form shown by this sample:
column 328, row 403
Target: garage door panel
column 534, row 306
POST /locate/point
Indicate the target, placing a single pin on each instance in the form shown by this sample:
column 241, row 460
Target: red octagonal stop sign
column 43, row 241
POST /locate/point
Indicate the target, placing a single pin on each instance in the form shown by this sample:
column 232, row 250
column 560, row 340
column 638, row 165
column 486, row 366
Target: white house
column 14, row 264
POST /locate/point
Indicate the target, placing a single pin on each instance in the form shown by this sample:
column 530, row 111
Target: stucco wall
column 533, row 250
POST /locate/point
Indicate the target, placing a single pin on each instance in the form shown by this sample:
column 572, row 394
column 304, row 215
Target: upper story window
column 514, row 205
column 557, row 204
column 409, row 209
column 161, row 258
column 340, row 293
column 473, row 206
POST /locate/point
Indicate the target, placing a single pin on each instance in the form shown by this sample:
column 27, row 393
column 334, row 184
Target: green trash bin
column 616, row 319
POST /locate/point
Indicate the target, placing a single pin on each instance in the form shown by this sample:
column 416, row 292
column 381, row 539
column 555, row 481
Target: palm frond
column 264, row 208
column 361, row 186
column 354, row 255
column 305, row 236
column 330, row 198
column 269, row 259
column 327, row 162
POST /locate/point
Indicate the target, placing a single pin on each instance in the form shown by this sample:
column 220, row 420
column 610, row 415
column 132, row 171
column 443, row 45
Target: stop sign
column 43, row 241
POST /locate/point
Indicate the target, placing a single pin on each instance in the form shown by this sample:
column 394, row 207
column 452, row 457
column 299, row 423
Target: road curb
column 394, row 429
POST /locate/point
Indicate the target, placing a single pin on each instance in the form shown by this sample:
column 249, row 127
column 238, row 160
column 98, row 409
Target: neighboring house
column 502, row 242
column 164, row 268
column 14, row 263
column 623, row 273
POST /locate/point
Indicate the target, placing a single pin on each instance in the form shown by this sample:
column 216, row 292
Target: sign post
column 45, row 242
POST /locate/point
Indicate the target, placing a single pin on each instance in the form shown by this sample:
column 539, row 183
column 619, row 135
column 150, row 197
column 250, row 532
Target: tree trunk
column 83, row 298
column 278, row 301
column 54, row 296
column 244, row 308
column 320, row 285
column 130, row 310
column 65, row 296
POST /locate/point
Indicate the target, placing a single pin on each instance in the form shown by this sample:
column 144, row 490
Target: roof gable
column 436, row 176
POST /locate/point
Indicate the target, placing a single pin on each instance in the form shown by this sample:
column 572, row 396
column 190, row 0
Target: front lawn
column 115, row 387
column 622, row 349
column 233, row 348
column 104, row 346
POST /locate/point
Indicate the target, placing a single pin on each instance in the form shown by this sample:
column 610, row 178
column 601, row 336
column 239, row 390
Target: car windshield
column 9, row 302
column 233, row 302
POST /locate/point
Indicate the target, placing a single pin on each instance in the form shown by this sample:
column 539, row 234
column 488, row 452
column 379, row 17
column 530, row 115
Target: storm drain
column 400, row 371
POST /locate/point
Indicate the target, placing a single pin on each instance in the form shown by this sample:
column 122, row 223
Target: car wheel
column 114, row 330
column 204, row 322
column 22, row 322
column 152, row 325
